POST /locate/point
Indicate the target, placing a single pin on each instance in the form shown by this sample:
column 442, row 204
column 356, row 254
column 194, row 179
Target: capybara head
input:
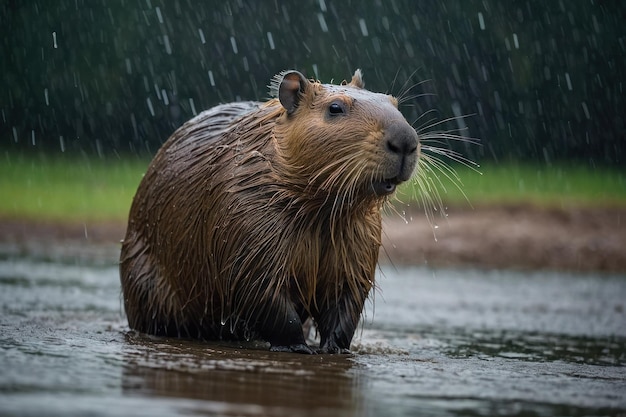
column 342, row 138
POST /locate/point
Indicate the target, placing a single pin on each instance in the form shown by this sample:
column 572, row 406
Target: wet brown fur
column 250, row 212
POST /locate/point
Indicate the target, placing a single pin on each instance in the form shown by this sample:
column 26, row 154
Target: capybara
column 254, row 217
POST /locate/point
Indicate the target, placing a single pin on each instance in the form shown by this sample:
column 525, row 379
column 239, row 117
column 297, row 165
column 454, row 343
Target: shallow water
column 435, row 342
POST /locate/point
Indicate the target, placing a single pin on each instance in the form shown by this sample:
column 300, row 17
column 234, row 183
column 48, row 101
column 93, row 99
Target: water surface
column 433, row 342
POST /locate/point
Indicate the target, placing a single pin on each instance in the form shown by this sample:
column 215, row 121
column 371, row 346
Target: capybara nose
column 400, row 139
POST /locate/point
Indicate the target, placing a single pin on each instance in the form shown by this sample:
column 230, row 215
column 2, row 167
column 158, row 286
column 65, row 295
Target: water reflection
column 240, row 381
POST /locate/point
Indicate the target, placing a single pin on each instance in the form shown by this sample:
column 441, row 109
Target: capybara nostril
column 401, row 139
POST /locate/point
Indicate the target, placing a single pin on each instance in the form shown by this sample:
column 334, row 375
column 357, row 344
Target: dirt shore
column 520, row 237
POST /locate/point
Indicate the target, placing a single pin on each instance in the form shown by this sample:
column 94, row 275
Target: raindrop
column 479, row 106
column 317, row 76
column 515, row 41
column 193, row 106
column 32, row 137
column 485, row 73
column 159, row 15
column 320, row 18
column 586, row 110
column 211, row 79
column 568, row 81
column 481, row 21
column 455, row 74
column 62, row 143
column 322, row 5
column 363, row 27
column 133, row 121
column 430, row 46
column 376, row 44
column 150, row 106
column 285, row 14
column 409, row 49
column 596, row 26
column 496, row 96
column 202, row 38
column 54, row 40
column 14, row 134
column 45, row 93
column 270, row 39
column 166, row 100
column 233, row 43
column 168, row 47
column 129, row 68
column 458, row 115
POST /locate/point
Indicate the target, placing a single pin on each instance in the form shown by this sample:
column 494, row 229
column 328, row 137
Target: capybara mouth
column 385, row 187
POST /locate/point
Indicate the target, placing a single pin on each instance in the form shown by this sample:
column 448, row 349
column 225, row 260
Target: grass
column 68, row 188
column 78, row 189
column 556, row 185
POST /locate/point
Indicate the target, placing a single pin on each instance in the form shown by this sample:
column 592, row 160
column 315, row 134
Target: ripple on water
column 439, row 343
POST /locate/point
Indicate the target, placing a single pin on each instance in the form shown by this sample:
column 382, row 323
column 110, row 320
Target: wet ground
column 522, row 236
column 435, row 342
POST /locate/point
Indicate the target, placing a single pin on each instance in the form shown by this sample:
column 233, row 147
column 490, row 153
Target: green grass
column 78, row 189
column 541, row 185
column 72, row 189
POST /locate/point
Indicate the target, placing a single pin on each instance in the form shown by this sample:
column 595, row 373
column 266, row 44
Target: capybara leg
column 337, row 337
column 283, row 328
column 337, row 325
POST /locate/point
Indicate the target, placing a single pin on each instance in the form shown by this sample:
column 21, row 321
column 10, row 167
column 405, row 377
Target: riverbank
column 513, row 237
column 498, row 236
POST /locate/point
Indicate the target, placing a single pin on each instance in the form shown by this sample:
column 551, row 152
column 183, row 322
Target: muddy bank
column 520, row 237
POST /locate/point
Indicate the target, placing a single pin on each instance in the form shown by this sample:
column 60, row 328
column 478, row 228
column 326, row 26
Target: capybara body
column 254, row 217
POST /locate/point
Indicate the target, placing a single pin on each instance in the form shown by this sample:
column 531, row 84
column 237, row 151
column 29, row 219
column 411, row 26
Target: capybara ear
column 357, row 79
column 291, row 87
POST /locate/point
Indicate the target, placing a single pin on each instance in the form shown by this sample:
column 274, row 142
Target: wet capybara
column 254, row 217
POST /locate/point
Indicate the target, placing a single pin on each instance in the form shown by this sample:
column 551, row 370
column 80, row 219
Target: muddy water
column 435, row 342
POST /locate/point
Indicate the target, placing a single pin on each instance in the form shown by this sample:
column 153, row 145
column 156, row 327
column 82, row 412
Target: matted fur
column 248, row 214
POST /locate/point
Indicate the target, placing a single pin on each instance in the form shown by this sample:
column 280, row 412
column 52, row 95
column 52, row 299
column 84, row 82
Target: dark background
column 539, row 80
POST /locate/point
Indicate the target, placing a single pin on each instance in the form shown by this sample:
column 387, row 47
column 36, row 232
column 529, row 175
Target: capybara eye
column 335, row 108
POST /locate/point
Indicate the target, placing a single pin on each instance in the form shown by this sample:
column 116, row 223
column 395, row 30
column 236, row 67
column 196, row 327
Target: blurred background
column 537, row 80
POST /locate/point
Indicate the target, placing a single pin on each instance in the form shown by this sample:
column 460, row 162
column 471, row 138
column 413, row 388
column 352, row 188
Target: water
column 435, row 342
